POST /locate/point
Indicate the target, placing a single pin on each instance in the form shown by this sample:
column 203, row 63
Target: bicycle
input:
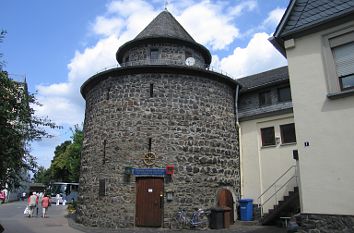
column 199, row 219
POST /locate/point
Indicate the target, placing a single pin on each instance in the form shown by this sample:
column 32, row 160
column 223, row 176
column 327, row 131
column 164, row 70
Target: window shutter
column 344, row 59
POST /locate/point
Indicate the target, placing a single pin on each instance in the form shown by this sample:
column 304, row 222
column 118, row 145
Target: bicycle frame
column 196, row 219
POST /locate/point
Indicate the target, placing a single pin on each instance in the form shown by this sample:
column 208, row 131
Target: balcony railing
column 161, row 62
column 156, row 62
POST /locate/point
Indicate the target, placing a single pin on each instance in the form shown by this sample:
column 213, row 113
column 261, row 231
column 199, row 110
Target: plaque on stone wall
column 158, row 172
column 149, row 158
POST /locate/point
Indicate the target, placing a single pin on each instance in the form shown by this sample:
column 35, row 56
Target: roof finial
column 166, row 3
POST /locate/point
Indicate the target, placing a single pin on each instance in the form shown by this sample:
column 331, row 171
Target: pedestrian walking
column 64, row 199
column 57, row 198
column 45, row 204
column 32, row 203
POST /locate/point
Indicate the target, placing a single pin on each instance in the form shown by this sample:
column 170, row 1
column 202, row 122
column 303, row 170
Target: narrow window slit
column 150, row 144
column 102, row 187
column 151, row 90
column 107, row 94
column 104, row 151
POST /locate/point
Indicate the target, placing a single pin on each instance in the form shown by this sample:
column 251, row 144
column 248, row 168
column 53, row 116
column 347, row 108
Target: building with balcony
column 317, row 38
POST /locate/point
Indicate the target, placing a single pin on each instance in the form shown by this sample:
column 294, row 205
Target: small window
column 107, row 93
column 102, row 188
column 154, row 54
column 344, row 61
column 287, row 133
column 284, row 94
column 188, row 54
column 265, row 98
column 151, row 90
column 268, row 136
column 104, row 151
column 338, row 51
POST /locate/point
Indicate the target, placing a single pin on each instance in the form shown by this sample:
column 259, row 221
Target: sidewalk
column 238, row 227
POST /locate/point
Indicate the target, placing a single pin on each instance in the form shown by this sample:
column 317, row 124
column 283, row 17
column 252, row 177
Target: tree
column 2, row 35
column 42, row 176
column 65, row 165
column 18, row 127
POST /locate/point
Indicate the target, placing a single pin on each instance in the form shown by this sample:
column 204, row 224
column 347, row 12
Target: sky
column 57, row 45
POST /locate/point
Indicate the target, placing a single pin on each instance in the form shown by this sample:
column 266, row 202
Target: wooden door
column 149, row 202
column 225, row 199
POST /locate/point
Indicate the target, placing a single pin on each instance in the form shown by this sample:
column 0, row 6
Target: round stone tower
column 160, row 133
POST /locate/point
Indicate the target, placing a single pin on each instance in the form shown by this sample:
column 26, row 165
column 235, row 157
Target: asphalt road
column 14, row 221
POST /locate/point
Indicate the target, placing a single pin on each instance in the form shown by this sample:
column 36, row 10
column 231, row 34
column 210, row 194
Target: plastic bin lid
column 246, row 200
column 217, row 209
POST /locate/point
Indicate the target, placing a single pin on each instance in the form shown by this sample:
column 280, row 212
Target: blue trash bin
column 246, row 209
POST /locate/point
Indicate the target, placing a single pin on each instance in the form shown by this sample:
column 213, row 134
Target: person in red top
column 45, row 205
column 2, row 197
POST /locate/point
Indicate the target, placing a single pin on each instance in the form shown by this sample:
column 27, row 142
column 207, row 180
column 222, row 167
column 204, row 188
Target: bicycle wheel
column 179, row 221
column 203, row 222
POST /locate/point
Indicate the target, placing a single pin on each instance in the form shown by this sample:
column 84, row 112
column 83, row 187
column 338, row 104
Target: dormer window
column 265, row 98
column 154, row 54
column 284, row 94
column 188, row 54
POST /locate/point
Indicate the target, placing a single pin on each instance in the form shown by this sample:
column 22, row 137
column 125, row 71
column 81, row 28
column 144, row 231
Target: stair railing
column 277, row 186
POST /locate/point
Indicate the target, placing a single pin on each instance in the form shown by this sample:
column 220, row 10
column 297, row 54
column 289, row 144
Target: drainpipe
column 238, row 126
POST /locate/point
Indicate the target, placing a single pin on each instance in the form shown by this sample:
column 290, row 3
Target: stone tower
column 161, row 112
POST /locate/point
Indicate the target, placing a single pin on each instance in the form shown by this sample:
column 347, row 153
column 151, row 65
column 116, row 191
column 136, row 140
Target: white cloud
column 107, row 26
column 274, row 17
column 215, row 28
column 243, row 6
column 62, row 102
column 258, row 56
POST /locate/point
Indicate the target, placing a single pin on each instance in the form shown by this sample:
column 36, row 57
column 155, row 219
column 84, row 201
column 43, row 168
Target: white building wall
column 326, row 165
column 260, row 167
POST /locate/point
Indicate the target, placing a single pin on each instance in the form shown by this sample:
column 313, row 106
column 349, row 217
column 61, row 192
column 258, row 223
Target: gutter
column 278, row 45
column 238, row 126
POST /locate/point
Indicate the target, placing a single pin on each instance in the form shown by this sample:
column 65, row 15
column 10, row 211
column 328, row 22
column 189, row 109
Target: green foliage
column 18, row 127
column 65, row 165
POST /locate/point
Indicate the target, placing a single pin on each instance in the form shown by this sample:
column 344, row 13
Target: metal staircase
column 281, row 199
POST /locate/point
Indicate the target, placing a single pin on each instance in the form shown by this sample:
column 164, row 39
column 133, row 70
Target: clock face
column 190, row 61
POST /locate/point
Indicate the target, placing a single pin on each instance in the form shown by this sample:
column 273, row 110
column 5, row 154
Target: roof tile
column 265, row 78
column 165, row 25
column 309, row 12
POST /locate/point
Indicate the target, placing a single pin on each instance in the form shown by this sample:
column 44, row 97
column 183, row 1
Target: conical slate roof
column 165, row 25
column 164, row 29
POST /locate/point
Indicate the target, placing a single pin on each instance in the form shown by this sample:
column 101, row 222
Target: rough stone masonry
column 182, row 115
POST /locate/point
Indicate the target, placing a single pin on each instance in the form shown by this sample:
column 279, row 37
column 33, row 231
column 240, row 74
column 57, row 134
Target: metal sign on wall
column 149, row 171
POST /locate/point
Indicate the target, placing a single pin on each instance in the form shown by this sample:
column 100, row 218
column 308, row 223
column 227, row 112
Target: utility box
column 246, row 209
column 217, row 218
